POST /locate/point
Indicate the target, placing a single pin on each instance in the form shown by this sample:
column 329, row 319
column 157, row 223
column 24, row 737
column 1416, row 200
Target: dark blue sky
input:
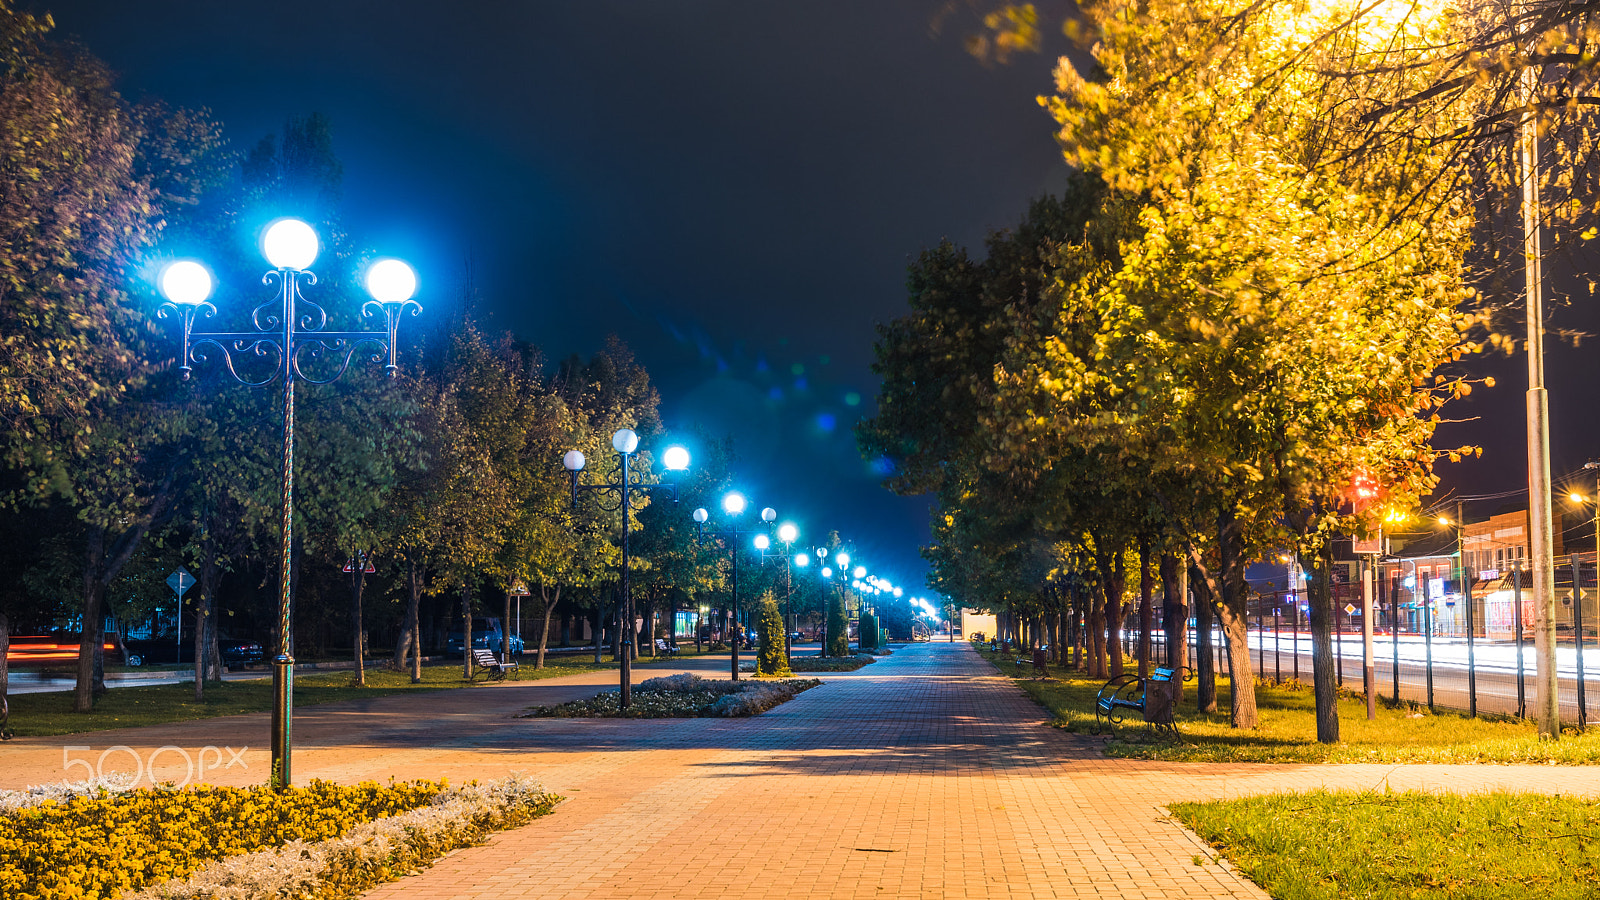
column 735, row 188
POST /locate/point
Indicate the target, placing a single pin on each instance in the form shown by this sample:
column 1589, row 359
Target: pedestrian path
column 922, row 775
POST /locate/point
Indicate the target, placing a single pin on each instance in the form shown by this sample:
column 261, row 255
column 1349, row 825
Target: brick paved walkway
column 923, row 775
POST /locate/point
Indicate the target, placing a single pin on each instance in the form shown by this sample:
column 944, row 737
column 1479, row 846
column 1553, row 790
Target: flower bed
column 684, row 696
column 323, row 840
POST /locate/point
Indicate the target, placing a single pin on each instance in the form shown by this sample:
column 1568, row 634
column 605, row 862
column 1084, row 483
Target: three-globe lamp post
column 287, row 328
column 620, row 495
column 786, row 535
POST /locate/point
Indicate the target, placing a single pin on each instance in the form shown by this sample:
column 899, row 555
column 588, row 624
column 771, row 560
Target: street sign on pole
column 180, row 581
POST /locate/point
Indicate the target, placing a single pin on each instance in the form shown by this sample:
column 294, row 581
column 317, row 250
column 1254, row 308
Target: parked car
column 242, row 652
column 486, row 635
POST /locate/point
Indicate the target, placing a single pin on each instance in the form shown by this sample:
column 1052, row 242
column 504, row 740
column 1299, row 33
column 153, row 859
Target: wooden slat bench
column 488, row 662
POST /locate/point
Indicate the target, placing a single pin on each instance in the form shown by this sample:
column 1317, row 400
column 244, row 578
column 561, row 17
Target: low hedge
column 683, row 696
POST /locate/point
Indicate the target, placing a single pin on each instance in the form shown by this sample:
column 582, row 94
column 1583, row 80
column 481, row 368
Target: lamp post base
column 282, row 714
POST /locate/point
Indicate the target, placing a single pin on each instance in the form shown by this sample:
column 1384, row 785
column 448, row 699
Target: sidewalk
column 923, row 775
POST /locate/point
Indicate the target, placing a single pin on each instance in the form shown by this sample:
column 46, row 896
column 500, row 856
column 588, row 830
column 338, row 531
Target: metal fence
column 1419, row 660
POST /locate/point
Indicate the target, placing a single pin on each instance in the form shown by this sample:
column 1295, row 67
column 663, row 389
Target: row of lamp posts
column 289, row 329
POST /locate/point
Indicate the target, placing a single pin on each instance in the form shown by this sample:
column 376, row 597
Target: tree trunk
column 1204, row 660
column 416, row 655
column 204, row 604
column 5, row 652
column 1242, row 683
column 1097, row 634
column 1322, row 662
column 1175, row 616
column 1115, row 612
column 1234, row 609
column 89, row 640
column 466, row 632
column 410, row 643
column 1147, row 609
column 654, row 617
column 1079, row 664
column 616, row 633
column 544, row 631
column 1114, row 584
column 505, row 632
column 599, row 629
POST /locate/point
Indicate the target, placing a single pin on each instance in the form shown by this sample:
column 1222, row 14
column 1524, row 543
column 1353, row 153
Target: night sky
column 734, row 188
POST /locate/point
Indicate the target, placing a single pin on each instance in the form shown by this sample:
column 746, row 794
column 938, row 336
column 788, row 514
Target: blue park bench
column 1152, row 697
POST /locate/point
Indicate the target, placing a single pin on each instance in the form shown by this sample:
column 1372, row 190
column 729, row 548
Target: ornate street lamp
column 733, row 505
column 618, row 495
column 287, row 328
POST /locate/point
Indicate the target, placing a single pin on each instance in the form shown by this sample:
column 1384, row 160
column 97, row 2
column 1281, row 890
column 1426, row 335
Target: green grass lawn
column 1411, row 845
column 1288, row 731
column 51, row 713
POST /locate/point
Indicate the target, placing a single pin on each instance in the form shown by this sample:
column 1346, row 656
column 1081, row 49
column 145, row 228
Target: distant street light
column 286, row 329
column 618, row 496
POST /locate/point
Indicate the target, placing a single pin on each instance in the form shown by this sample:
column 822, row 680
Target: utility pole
column 1541, row 530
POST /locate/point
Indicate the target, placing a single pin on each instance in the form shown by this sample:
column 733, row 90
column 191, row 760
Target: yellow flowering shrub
column 94, row 847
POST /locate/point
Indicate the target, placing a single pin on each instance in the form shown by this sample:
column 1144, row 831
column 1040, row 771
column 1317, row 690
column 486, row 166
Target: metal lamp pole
column 787, row 534
column 733, row 504
column 286, row 327
column 825, row 574
column 619, row 496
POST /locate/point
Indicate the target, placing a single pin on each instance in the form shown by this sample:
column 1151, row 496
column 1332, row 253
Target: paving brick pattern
column 924, row 775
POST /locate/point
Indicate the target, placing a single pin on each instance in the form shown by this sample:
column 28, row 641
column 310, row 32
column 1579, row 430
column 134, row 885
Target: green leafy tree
column 1271, row 322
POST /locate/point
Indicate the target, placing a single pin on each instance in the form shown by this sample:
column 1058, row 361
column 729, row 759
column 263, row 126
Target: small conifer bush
column 772, row 658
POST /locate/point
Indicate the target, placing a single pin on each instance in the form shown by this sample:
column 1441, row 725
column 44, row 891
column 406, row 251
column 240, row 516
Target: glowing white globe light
column 822, row 553
column 624, row 441
column 898, row 592
column 391, row 281
column 186, row 282
column 733, row 504
column 676, row 459
column 700, row 515
column 768, row 514
column 861, row 571
column 762, row 542
column 573, row 460
column 787, row 533
column 802, row 560
column 290, row 244
column 827, row 572
column 843, row 559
